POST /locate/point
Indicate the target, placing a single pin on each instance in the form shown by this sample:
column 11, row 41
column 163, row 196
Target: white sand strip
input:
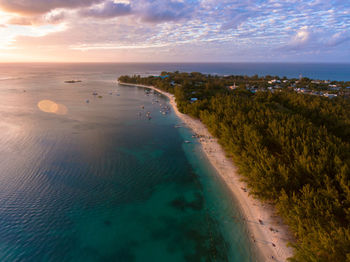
column 268, row 232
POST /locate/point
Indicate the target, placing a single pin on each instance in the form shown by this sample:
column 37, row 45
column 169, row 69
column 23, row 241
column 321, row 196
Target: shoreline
column 269, row 235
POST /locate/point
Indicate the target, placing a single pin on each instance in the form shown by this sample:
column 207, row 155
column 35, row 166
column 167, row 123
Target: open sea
column 88, row 177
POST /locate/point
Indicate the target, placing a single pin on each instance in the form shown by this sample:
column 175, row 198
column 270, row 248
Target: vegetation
column 292, row 149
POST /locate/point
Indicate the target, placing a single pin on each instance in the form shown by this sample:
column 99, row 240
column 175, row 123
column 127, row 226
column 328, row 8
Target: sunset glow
column 174, row 30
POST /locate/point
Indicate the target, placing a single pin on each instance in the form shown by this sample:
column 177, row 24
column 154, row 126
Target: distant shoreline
column 268, row 233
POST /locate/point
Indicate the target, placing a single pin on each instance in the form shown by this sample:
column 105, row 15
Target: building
column 274, row 81
column 330, row 95
column 232, row 87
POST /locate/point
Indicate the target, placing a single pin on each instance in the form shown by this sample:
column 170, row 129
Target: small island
column 72, row 81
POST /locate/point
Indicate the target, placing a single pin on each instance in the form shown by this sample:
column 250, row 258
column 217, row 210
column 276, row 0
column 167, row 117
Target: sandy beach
column 268, row 233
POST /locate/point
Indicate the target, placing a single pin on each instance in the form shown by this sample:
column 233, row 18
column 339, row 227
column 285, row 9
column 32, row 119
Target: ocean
column 91, row 178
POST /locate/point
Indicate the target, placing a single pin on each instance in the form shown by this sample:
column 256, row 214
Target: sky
column 174, row 31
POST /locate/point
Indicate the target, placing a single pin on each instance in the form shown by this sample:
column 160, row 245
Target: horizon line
column 171, row 62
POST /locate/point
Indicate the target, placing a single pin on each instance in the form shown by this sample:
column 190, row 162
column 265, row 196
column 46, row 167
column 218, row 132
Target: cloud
column 300, row 40
column 271, row 29
column 42, row 6
column 21, row 21
column 301, row 37
column 109, row 9
column 154, row 11
column 230, row 14
column 235, row 21
column 50, row 18
column 151, row 11
column 338, row 39
column 158, row 11
column 85, row 35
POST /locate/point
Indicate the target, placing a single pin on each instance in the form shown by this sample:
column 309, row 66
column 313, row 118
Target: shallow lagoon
column 99, row 182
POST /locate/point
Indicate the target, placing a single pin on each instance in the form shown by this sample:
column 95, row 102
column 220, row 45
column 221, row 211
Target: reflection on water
column 49, row 106
column 101, row 183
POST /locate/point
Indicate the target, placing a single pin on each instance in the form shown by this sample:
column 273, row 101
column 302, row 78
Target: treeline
column 292, row 149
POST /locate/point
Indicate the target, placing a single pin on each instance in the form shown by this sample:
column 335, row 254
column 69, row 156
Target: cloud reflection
column 49, row 106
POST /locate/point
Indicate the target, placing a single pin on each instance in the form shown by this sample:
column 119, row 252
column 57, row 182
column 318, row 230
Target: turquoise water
column 98, row 181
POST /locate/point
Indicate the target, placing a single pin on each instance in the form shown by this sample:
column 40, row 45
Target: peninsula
column 281, row 151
